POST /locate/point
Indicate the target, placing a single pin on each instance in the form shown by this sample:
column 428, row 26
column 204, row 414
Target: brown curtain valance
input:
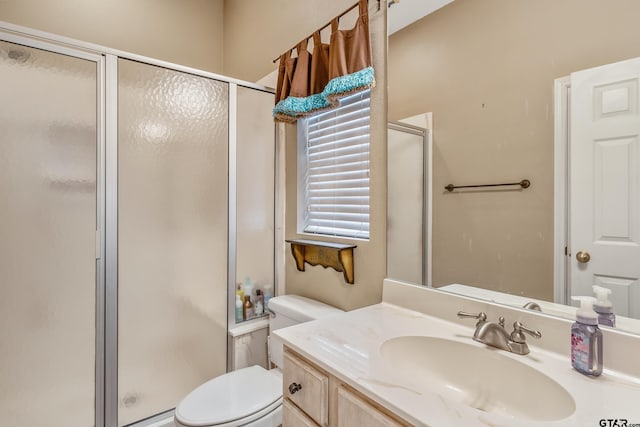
column 311, row 82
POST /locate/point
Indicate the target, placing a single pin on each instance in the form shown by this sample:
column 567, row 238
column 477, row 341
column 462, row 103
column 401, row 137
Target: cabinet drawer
column 294, row 417
column 307, row 387
column 354, row 411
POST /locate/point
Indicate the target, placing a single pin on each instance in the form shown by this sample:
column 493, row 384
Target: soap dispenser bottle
column 603, row 306
column 586, row 339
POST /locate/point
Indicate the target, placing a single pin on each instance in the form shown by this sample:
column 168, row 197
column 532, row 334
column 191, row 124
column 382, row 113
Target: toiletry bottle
column 259, row 305
column 603, row 306
column 239, row 310
column 240, row 291
column 248, row 287
column 260, row 295
column 268, row 293
column 248, row 308
column 586, row 339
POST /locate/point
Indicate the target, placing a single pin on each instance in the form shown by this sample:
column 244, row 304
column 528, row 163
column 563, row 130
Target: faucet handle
column 518, row 329
column 532, row 306
column 482, row 316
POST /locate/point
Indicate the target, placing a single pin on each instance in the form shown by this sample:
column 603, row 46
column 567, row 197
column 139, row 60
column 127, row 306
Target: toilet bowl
column 247, row 397
column 250, row 397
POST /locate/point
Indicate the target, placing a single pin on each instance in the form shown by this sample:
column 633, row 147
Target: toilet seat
column 233, row 399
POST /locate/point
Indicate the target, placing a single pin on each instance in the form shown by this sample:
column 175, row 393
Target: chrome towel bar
column 525, row 183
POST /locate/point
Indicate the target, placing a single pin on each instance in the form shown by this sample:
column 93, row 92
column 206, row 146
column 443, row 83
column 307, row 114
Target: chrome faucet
column 494, row 334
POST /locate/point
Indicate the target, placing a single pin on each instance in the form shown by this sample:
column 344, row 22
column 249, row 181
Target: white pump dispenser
column 585, row 313
column 586, row 339
column 603, row 306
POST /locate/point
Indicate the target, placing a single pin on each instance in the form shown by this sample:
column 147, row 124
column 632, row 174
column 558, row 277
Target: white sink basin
column 479, row 377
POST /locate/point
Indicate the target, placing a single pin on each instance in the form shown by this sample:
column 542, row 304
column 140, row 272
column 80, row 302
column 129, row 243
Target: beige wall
column 486, row 69
column 183, row 32
column 327, row 285
column 257, row 31
column 237, row 38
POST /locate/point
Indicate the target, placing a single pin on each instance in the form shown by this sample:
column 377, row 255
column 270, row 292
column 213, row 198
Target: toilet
column 250, row 397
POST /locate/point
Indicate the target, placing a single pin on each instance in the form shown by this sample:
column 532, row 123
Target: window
column 333, row 170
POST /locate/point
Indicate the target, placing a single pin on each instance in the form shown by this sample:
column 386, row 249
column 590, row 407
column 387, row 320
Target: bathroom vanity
column 402, row 362
column 327, row 400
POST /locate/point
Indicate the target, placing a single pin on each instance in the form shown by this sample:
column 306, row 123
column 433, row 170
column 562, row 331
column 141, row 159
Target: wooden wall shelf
column 327, row 254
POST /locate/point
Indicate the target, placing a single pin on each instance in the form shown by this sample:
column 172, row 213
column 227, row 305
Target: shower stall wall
column 117, row 229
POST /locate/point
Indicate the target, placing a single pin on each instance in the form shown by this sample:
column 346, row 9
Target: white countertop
column 347, row 346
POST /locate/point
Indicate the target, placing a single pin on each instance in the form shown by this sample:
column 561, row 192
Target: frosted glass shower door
column 172, row 236
column 48, row 222
column 406, row 254
column 255, row 191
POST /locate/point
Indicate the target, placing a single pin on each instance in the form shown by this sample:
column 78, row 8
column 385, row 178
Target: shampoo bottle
column 248, row 308
column 586, row 339
column 603, row 306
column 259, row 305
column 239, row 311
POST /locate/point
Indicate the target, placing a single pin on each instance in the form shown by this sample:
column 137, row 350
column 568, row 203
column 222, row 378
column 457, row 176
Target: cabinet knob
column 294, row 387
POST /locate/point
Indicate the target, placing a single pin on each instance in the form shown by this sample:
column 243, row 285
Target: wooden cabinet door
column 307, row 387
column 294, row 417
column 353, row 411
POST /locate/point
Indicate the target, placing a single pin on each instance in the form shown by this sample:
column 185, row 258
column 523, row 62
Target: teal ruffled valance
column 295, row 107
column 312, row 82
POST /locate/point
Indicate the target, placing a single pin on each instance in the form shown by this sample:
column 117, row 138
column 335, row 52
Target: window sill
column 304, row 235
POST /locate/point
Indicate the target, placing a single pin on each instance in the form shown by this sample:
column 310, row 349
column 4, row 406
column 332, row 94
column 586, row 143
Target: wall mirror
column 546, row 91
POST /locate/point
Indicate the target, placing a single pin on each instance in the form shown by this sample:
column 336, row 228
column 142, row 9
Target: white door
column 605, row 183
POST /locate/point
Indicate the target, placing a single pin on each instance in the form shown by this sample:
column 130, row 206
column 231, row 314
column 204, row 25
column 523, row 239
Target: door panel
column 255, row 183
column 172, row 236
column 605, row 182
column 48, row 227
column 405, row 206
column 616, row 195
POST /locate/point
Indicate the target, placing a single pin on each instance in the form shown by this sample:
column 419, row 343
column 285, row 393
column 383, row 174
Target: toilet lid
column 233, row 396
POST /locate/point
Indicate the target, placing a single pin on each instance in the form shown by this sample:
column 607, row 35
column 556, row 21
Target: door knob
column 583, row 256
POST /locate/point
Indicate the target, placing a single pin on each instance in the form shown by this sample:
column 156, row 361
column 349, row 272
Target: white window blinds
column 334, row 170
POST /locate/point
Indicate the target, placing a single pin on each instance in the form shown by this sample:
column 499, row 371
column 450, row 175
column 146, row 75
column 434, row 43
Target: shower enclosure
column 407, row 203
column 118, row 229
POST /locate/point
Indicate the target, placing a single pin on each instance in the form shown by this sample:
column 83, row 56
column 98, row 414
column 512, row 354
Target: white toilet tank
column 289, row 310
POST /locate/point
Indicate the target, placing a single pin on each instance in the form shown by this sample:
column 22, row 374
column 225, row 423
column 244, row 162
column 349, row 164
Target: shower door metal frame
column 111, row 244
column 232, row 275
column 106, row 401
column 8, row 35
